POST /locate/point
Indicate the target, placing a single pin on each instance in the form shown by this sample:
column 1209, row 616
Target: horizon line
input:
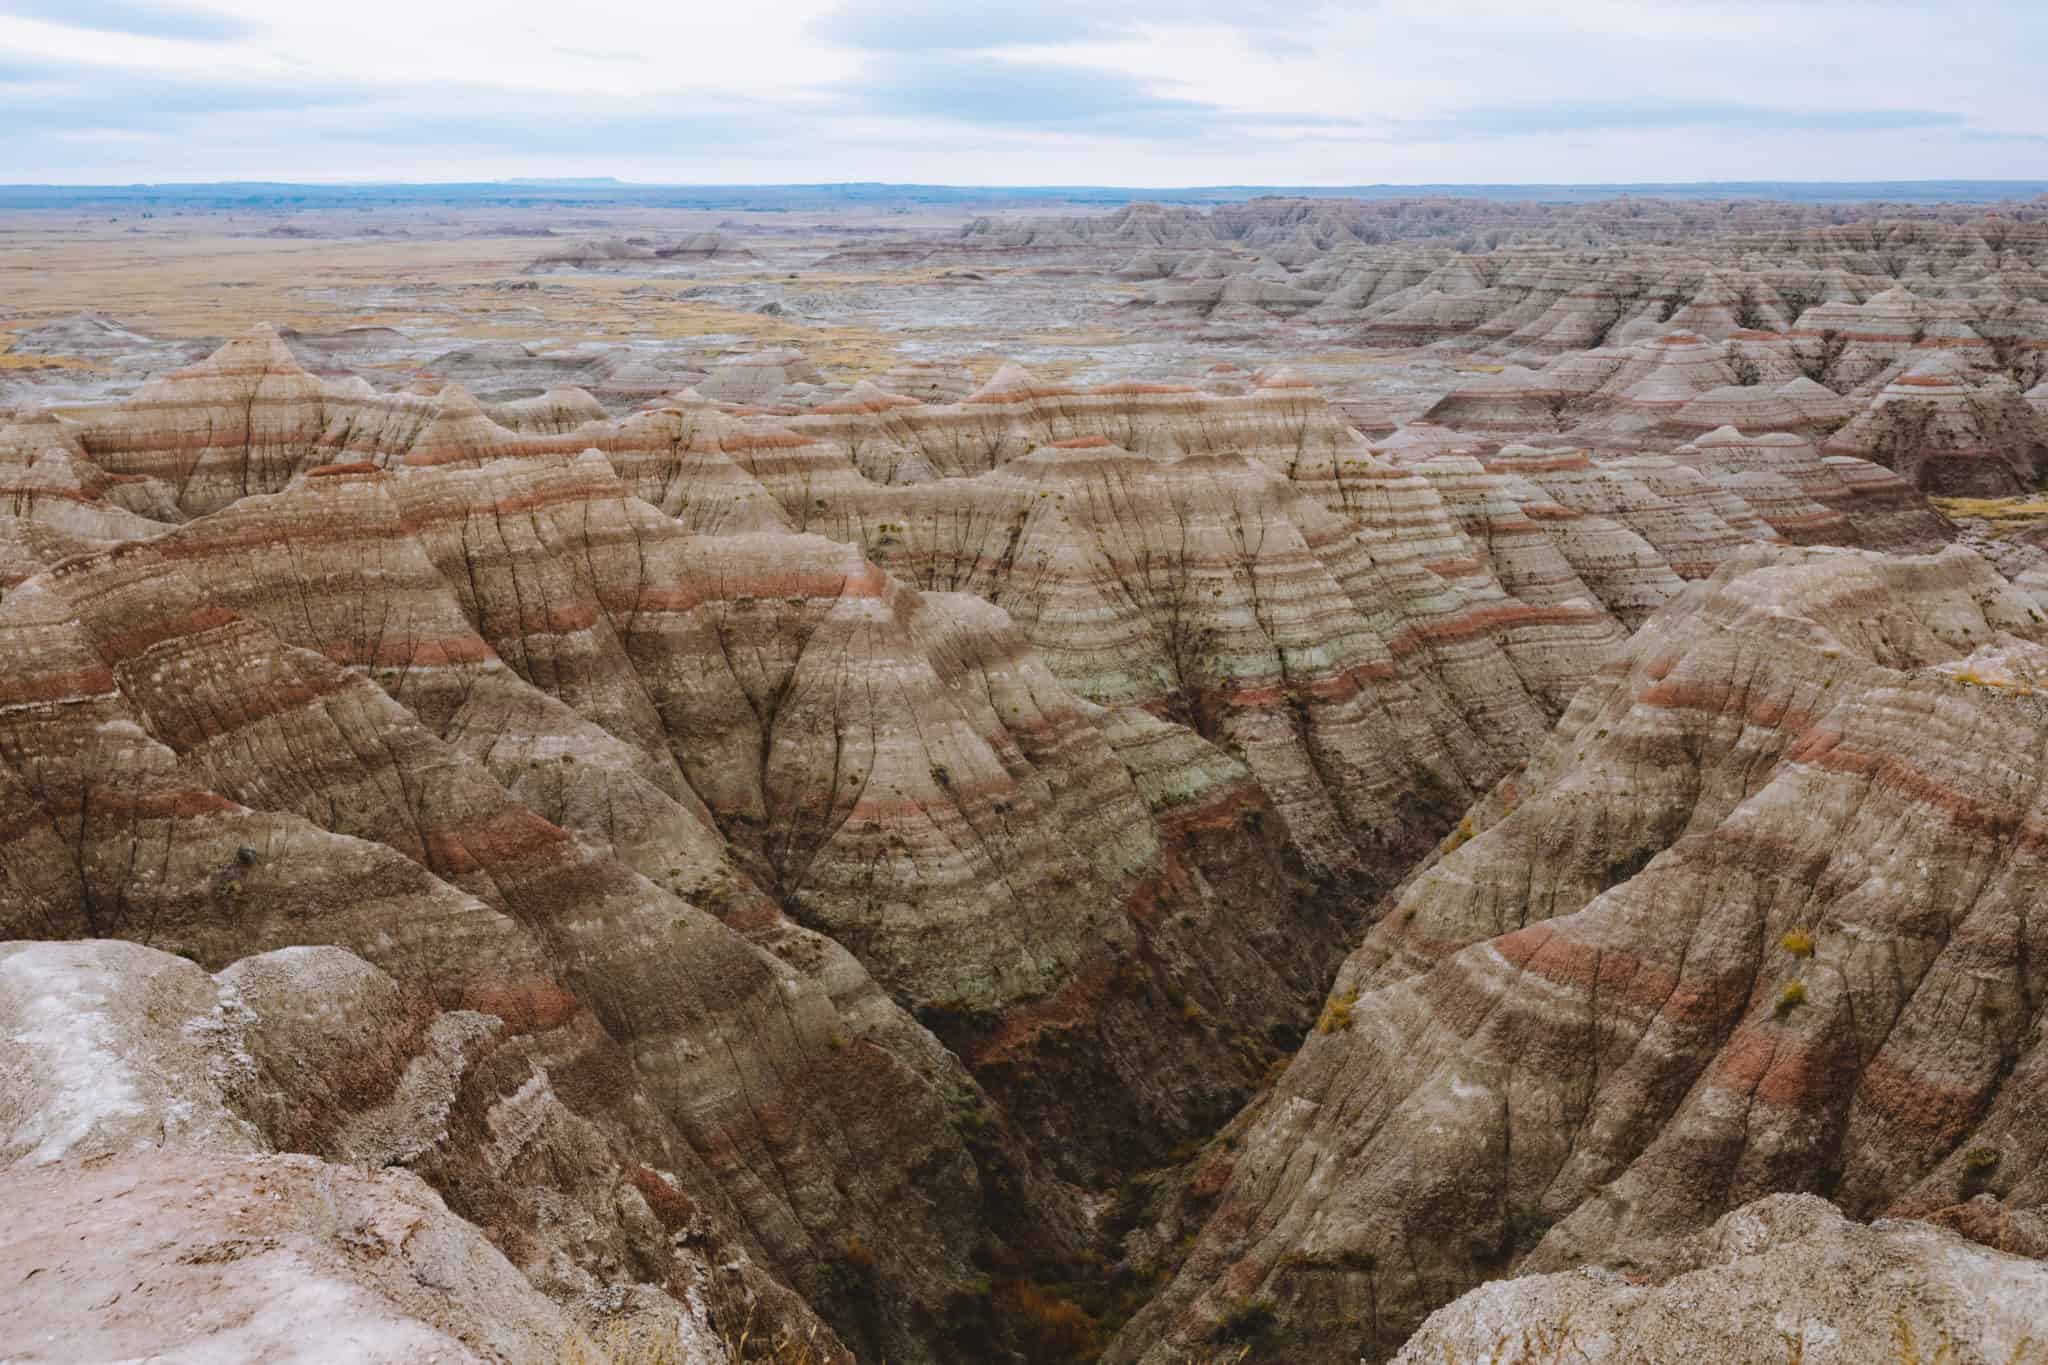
column 615, row 182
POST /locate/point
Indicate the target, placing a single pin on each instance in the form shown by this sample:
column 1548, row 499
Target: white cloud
column 1149, row 92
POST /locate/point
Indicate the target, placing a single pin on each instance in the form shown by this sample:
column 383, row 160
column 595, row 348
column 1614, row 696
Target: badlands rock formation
column 1315, row 226
column 1752, row 920
column 1908, row 339
column 788, row 884
column 938, row 862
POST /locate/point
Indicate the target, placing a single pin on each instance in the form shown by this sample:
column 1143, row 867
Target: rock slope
column 777, row 880
column 142, row 1092
column 822, row 860
column 1785, row 1275
column 1752, row 920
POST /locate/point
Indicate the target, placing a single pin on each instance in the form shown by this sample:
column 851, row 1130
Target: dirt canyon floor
column 1303, row 780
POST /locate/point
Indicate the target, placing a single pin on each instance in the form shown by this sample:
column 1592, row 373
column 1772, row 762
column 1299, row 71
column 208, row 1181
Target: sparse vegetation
column 1790, row 998
column 1049, row 1328
column 1797, row 942
column 1906, row 1345
column 856, row 1255
column 1544, row 1344
column 1336, row 1015
column 1459, row 837
column 1981, row 1160
column 625, row 1342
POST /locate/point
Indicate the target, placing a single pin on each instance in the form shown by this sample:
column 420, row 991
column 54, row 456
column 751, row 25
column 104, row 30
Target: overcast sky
column 1146, row 92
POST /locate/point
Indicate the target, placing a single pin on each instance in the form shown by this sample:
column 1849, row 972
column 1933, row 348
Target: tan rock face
column 1648, row 987
column 242, row 421
column 183, row 1256
column 1627, row 345
column 547, row 932
column 1941, row 431
column 1786, row 1273
column 137, row 1080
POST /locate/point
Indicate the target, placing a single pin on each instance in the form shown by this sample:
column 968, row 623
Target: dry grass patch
column 11, row 361
column 624, row 1342
column 2004, row 514
column 1336, row 1015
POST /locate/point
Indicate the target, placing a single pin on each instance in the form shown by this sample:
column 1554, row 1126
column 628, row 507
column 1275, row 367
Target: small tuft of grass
column 1336, row 1016
column 856, row 1255
column 1459, row 837
column 621, row 1343
column 1981, row 1160
column 1906, row 1345
column 1797, row 942
column 1049, row 1327
column 1791, row 997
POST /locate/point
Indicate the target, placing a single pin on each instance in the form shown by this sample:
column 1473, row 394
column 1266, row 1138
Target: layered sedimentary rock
column 242, row 421
column 1943, row 432
column 471, row 709
column 884, row 472
column 928, row 381
column 513, row 372
column 1512, row 399
column 1209, row 587
column 1758, row 408
column 1881, row 509
column 1752, row 921
column 705, row 246
column 1636, row 346
column 1576, row 504
column 759, row 379
column 188, row 1084
column 1784, row 1275
column 846, row 834
column 247, row 768
column 1633, row 528
column 595, row 253
column 1892, row 238
column 1617, row 391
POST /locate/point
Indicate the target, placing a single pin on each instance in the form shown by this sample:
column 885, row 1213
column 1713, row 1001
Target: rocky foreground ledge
column 1784, row 1278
